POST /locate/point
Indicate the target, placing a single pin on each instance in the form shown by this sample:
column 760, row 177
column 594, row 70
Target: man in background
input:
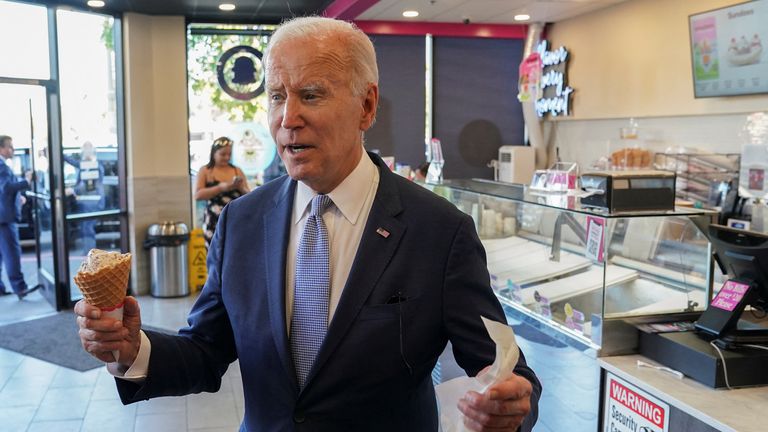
column 10, row 213
column 87, row 195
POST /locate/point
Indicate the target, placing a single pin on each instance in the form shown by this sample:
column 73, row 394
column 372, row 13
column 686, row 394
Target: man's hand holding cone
column 109, row 321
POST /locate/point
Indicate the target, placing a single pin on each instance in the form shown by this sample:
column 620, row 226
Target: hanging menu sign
column 555, row 92
column 728, row 52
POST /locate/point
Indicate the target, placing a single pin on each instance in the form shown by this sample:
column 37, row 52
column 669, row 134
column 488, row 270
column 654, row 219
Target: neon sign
column 555, row 92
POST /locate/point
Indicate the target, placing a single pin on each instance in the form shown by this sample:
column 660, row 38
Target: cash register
column 724, row 350
column 742, row 255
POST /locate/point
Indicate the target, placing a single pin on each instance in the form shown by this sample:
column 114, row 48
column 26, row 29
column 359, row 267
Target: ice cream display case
column 583, row 272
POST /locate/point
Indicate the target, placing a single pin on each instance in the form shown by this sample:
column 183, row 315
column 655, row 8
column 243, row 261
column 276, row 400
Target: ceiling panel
column 255, row 11
column 272, row 11
column 483, row 11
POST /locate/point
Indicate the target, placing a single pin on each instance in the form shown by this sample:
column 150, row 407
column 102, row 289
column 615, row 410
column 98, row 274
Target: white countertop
column 739, row 410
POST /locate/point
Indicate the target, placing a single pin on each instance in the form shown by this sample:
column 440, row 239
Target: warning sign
column 198, row 273
column 629, row 409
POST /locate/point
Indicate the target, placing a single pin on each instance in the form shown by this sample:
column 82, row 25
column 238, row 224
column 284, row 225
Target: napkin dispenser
column 621, row 191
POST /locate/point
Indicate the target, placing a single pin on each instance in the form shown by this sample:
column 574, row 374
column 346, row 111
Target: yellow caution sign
column 197, row 256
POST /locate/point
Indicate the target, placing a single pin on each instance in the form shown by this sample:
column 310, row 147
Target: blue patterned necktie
column 312, row 289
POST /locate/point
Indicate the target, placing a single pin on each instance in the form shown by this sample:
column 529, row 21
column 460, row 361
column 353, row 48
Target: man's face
column 6, row 149
column 315, row 119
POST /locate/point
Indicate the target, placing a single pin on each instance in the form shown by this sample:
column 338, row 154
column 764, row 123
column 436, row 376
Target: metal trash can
column 167, row 244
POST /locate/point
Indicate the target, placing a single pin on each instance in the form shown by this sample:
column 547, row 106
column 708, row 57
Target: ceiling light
column 410, row 13
column 522, row 17
column 95, row 3
column 227, row 7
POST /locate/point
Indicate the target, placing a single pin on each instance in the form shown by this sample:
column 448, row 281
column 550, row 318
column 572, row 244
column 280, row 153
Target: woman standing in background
column 218, row 182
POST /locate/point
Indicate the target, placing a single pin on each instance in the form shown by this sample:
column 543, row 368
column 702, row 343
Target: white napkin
column 450, row 392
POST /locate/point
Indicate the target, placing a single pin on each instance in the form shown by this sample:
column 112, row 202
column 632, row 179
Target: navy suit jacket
column 10, row 186
column 407, row 294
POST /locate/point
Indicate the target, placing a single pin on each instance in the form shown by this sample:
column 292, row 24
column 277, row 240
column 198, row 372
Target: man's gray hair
column 360, row 56
column 3, row 139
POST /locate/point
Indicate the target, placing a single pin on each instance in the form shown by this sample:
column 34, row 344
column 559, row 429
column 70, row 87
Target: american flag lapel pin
column 382, row 232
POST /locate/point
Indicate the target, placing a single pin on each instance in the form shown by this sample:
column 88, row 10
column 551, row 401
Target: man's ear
column 370, row 105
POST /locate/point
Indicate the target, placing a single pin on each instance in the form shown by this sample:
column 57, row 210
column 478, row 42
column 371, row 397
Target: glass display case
column 703, row 179
column 584, row 272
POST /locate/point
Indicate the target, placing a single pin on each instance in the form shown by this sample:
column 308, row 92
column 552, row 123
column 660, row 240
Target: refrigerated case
column 584, row 272
column 574, row 281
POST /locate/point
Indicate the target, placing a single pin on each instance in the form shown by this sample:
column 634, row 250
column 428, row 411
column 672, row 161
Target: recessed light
column 522, row 17
column 227, row 7
column 410, row 13
column 95, row 3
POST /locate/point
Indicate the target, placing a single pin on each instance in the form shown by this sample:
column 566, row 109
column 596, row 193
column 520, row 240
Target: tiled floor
column 37, row 396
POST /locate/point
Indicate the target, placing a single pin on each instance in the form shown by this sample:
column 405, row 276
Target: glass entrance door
column 24, row 117
column 92, row 155
column 61, row 101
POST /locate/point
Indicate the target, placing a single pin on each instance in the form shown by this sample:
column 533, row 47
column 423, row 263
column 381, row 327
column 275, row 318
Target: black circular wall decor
column 240, row 72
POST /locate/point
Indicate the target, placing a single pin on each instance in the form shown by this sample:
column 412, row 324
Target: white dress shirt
column 345, row 221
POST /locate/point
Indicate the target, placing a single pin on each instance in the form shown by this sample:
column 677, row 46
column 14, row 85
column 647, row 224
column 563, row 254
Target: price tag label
column 574, row 319
column 543, row 306
column 514, row 291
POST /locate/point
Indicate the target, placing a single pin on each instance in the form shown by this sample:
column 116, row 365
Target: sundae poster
column 728, row 50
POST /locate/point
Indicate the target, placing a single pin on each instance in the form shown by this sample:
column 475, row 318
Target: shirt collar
column 2, row 159
column 349, row 195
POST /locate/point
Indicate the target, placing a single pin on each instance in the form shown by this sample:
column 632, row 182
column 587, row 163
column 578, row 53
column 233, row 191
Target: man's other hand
column 101, row 335
column 501, row 408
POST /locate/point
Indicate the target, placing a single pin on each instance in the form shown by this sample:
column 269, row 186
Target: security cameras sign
column 240, row 72
column 555, row 94
column 629, row 409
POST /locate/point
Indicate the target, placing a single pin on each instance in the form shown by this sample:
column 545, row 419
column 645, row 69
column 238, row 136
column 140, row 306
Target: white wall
column 585, row 141
column 633, row 60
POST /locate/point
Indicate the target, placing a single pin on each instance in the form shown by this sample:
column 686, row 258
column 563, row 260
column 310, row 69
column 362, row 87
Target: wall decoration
column 555, row 93
column 240, row 72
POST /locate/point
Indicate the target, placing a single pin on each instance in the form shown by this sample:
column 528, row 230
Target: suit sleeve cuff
column 137, row 373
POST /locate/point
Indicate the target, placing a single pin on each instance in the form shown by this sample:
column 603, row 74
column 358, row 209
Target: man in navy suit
column 407, row 274
column 10, row 212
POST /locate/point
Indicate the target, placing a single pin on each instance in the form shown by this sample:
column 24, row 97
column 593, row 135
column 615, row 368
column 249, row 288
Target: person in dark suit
column 338, row 286
column 10, row 212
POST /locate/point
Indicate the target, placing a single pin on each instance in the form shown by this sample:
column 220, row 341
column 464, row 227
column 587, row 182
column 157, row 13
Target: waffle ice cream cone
column 103, row 278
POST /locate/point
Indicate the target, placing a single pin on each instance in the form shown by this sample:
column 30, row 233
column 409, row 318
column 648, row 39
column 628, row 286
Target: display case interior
column 584, row 272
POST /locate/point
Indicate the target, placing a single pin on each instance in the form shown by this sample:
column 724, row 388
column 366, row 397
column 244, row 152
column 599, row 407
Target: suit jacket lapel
column 277, row 225
column 373, row 256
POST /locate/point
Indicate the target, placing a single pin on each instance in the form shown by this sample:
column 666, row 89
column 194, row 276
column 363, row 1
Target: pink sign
column 530, row 76
column 730, row 295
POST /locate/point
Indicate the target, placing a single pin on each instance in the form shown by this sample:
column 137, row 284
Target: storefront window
column 66, row 125
column 226, row 98
column 24, row 36
column 89, row 112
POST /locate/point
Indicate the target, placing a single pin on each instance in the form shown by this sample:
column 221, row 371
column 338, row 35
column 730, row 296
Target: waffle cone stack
column 103, row 278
